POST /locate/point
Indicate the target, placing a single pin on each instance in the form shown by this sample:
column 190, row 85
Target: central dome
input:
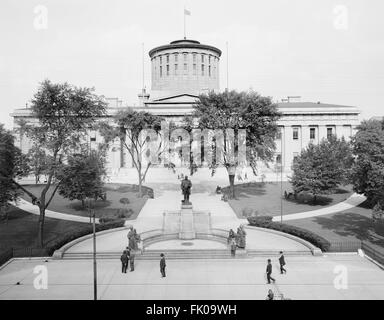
column 184, row 67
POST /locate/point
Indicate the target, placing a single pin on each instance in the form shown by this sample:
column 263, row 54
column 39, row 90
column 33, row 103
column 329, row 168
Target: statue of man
column 186, row 186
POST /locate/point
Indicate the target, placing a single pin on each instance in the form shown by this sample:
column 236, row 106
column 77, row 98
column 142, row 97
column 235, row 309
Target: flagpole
column 184, row 25
column 227, row 67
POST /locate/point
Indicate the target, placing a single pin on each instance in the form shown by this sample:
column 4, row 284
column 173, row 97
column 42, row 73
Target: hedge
column 266, row 222
column 80, row 232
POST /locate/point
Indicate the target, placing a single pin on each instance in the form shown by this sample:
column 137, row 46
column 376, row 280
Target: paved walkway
column 308, row 278
column 29, row 207
column 353, row 201
column 256, row 240
column 221, row 213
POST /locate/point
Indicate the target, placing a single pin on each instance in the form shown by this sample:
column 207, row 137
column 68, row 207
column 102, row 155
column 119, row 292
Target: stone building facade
column 181, row 71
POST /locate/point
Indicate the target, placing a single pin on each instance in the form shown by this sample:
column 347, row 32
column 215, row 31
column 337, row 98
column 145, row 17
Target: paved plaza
column 308, row 278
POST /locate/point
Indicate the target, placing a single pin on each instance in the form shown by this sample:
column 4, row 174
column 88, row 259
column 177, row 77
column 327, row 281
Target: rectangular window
column 185, row 68
column 161, row 59
column 209, row 59
column 202, row 69
column 279, row 133
column 312, row 133
column 202, row 58
column 329, row 133
column 209, row 70
column 185, row 56
column 167, row 69
column 278, row 159
column 161, row 71
column 194, row 58
column 92, row 136
column 175, row 69
column 176, row 57
column 167, row 58
column 194, row 69
column 295, row 133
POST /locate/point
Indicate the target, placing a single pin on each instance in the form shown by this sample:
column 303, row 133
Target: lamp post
column 92, row 214
column 94, row 258
column 281, row 181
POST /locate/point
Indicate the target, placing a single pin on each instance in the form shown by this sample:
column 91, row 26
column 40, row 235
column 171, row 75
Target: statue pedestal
column 187, row 230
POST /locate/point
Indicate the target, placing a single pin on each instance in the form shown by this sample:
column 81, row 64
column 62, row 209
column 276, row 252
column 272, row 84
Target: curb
column 59, row 253
column 315, row 250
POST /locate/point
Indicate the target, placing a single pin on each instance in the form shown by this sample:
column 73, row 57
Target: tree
column 8, row 169
column 322, row 168
column 368, row 168
column 83, row 177
column 256, row 114
column 132, row 128
column 38, row 162
column 65, row 113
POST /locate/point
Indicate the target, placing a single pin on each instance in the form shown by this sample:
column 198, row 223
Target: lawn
column 347, row 226
column 266, row 199
column 111, row 207
column 20, row 230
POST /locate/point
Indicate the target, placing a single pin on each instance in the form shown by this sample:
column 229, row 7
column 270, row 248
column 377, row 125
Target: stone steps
column 187, row 254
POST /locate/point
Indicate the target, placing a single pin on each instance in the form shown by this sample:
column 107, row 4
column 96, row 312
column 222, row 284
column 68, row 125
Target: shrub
column 260, row 221
column 377, row 213
column 80, row 232
column 124, row 201
column 248, row 212
column 117, row 214
column 266, row 222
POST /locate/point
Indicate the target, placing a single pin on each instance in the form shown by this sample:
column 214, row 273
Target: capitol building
column 182, row 70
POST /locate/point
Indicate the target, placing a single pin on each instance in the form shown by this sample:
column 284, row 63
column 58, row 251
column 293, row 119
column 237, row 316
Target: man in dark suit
column 124, row 261
column 269, row 272
column 162, row 265
column 282, row 263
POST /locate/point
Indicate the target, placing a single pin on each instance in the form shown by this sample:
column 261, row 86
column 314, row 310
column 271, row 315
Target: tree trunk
column 140, row 185
column 314, row 199
column 231, row 186
column 40, row 234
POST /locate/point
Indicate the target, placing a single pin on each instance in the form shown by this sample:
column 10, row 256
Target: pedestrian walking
column 132, row 260
column 162, row 265
column 269, row 272
column 270, row 295
column 282, row 263
column 124, row 261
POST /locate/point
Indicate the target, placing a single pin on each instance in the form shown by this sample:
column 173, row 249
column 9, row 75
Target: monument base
column 187, row 226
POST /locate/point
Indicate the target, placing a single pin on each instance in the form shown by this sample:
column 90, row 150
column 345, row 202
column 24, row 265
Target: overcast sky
column 323, row 50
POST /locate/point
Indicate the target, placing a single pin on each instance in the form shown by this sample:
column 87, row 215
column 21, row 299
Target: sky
column 323, row 50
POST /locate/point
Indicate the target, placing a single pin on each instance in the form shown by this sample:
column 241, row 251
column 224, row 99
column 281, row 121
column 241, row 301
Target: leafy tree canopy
column 368, row 169
column 322, row 168
column 9, row 170
column 242, row 110
column 83, row 176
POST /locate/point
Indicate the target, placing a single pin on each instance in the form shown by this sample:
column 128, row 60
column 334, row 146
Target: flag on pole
column 187, row 12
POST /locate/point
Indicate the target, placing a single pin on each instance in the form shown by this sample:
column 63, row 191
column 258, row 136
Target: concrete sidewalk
column 308, row 278
column 29, row 207
column 353, row 201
